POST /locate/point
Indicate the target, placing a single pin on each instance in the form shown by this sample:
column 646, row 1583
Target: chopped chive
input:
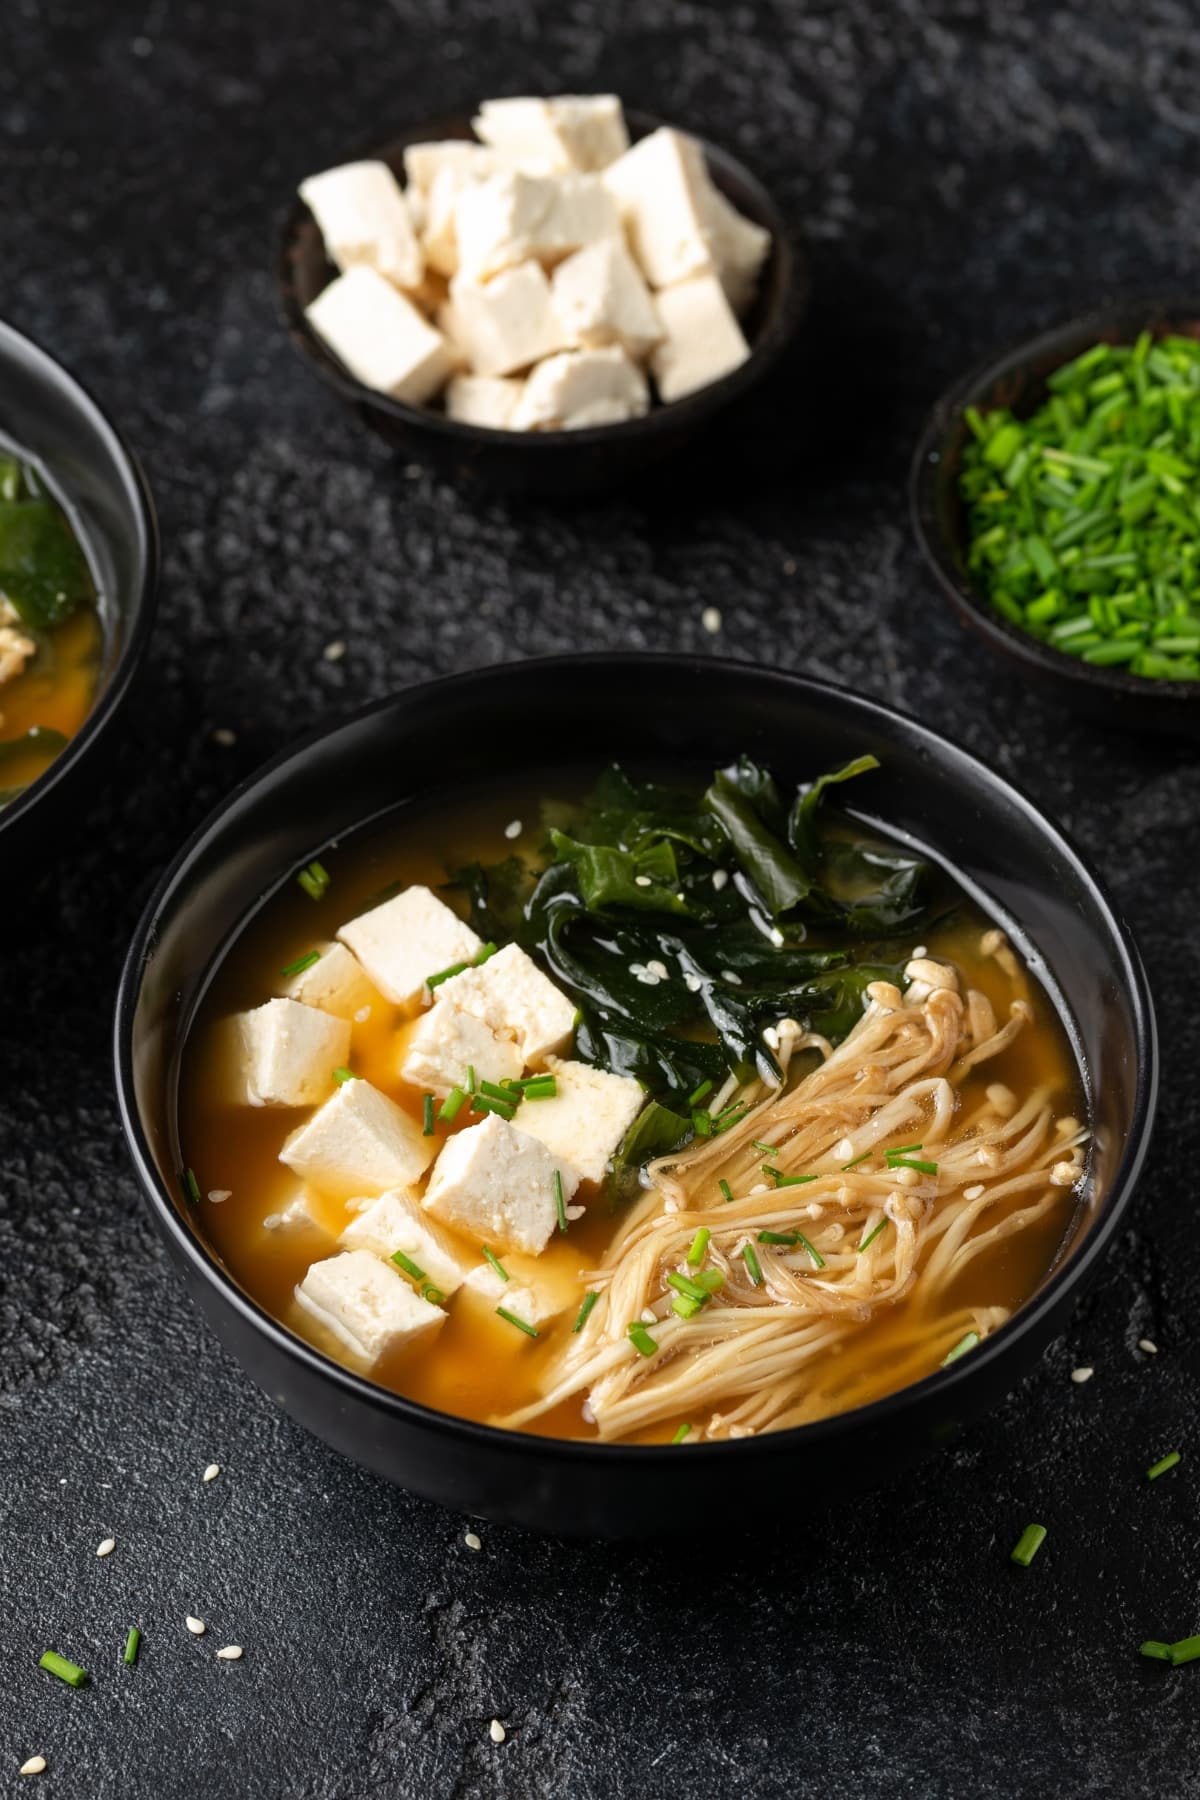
column 344, row 1075
column 301, row 963
column 589, row 1300
column 767, row 1149
column 640, row 1338
column 132, row 1643
column 855, row 1163
column 710, row 1280
column 470, row 1078
column 683, row 1284
column 697, row 1094
column 1161, row 1467
column 781, row 1180
column 66, row 1671
column 779, row 1237
column 192, row 1186
column 512, row 1319
column 911, row 1162
column 1160, row 1652
column 489, row 1256
column 903, row 1149
column 870, row 1238
column 702, row 1123
column 452, row 1105
column 968, row 1342
column 432, row 1293
column 544, row 1088
column 681, row 1434
column 314, row 880
column 427, row 1115
column 481, row 1104
column 1028, row 1545
column 560, row 1204
column 408, row 1265
column 685, row 1306
column 436, row 980
column 750, row 1258
column 818, row 1261
column 726, row 1189
column 495, row 1092
column 695, row 1255
column 1185, row 1650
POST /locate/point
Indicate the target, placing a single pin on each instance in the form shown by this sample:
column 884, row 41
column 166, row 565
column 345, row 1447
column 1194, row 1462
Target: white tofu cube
column 488, row 400
column 496, row 1184
column 507, row 323
column 580, row 388
column 407, row 939
column 439, row 237
column 359, row 1142
column 368, row 1306
column 289, row 1053
column 512, row 996
column 658, row 187
column 446, row 1042
column 529, row 1304
column 395, row 1222
column 308, row 1212
column 513, row 217
column 423, row 163
column 380, row 336
column 363, row 218
column 703, row 340
column 586, row 1119
column 600, row 298
column 335, row 983
column 739, row 246
column 570, row 131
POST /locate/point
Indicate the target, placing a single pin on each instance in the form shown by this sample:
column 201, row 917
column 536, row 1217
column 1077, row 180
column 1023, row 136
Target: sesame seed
column 1079, row 1376
column 33, row 1765
column 576, row 1212
column 223, row 736
column 648, row 979
column 586, row 1413
column 1148, row 1345
column 692, row 983
column 658, row 968
column 106, row 1547
column 362, row 1015
column 218, row 1195
column 473, row 1541
column 273, row 1221
column 710, row 618
column 731, row 977
column 670, row 1206
column 642, row 881
column 195, row 1626
column 720, row 878
column 973, row 1193
column 497, row 1732
column 649, row 1316
column 230, row 1653
column 919, row 951
column 335, row 651
column 789, row 567
column 513, row 829
column 211, row 1473
column 844, row 1150
column 760, row 1188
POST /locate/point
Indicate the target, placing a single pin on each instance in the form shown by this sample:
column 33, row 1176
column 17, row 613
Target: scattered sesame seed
column 273, row 1221
column 789, row 567
column 335, row 651
column 106, row 1547
column 1148, row 1345
column 513, row 829
column 658, row 968
column 362, row 1015
column 649, row 979
column 195, row 1626
column 732, row 977
column 919, row 951
column 670, row 1206
column 710, row 618
column 692, row 983
column 218, row 1195
column 497, row 1732
column 576, row 1212
column 222, row 735
column 649, row 1316
column 587, row 1414
column 473, row 1541
column 230, row 1653
column 33, row 1765
column 642, row 881
column 973, row 1193
column 720, row 878
column 760, row 1188
column 211, row 1473
column 1079, row 1376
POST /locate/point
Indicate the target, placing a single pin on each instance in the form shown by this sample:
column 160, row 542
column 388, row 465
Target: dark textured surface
column 962, row 172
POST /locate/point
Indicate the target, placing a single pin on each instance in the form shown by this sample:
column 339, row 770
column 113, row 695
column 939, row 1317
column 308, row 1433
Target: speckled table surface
column 962, row 172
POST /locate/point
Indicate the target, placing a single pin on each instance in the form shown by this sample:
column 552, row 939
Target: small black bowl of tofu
column 549, row 296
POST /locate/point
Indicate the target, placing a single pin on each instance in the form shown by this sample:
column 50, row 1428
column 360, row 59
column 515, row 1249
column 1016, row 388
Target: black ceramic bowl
column 547, row 462
column 1017, row 379
column 49, row 415
column 695, row 712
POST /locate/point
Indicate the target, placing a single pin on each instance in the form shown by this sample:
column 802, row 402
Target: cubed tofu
column 703, row 340
column 569, row 131
column 446, row 1042
column 308, row 1212
column 359, row 1142
column 289, row 1053
column 511, row 995
column 363, row 218
column 396, row 1222
column 439, row 235
column 658, row 188
column 586, row 1119
column 739, row 246
column 488, row 400
column 513, row 218
column 496, row 1184
column 528, row 1304
column 506, row 323
column 367, row 1305
column 600, row 298
column 579, row 388
column 380, row 336
column 423, row 163
column 407, row 939
column 335, row 983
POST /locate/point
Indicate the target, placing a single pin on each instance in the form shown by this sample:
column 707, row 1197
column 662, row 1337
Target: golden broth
column 479, row 1366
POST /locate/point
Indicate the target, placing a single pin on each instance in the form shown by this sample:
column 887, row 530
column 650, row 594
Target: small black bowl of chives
column 1056, row 495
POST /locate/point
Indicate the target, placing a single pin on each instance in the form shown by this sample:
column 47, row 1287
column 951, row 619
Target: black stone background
column 963, row 173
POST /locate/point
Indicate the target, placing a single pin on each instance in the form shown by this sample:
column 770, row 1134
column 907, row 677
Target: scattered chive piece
column 314, row 880
column 433, row 1294
column 903, row 1149
column 452, row 1105
column 436, row 980
column 1160, row 1652
column 858, row 1159
column 131, row 1646
column 683, row 1284
column 481, row 1104
column 481, row 956
column 685, row 1306
column 870, row 1239
column 640, row 1338
column 192, row 1186
column 589, row 1300
column 1185, row 1650
column 698, row 1094
column 767, row 1149
column 470, row 1078
column 968, row 1342
column 1161, row 1467
column 301, row 963
column 560, row 1204
column 779, row 1237
column 782, row 1180
column 1028, row 1545
column 545, row 1087
column 512, row 1319
column 818, row 1261
column 702, row 1124
column 495, row 1092
column 710, row 1280
column 427, row 1115
column 750, row 1258
column 726, row 1189
column 408, row 1265
column 66, row 1671
column 911, row 1162
column 681, row 1434
column 343, row 1075
column 695, row 1255
column 491, row 1257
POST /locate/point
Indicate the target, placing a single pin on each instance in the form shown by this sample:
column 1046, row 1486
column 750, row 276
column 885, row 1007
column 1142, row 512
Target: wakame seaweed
column 723, row 893
column 43, row 570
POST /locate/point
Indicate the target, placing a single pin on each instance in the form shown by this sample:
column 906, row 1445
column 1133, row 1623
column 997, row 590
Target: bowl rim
column 1070, row 1274
column 145, row 601
column 795, row 275
column 1088, row 325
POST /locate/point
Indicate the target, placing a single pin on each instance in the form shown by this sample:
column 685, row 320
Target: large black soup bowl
column 693, row 712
